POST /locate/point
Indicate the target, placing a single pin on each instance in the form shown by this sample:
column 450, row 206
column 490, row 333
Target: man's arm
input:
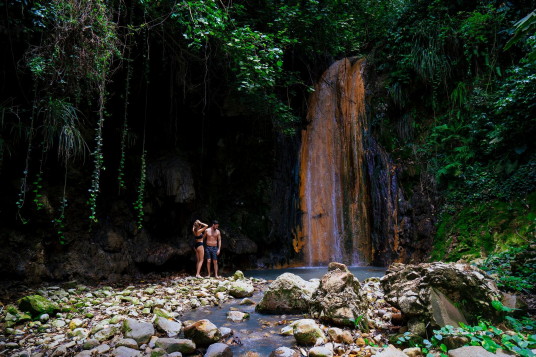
column 219, row 243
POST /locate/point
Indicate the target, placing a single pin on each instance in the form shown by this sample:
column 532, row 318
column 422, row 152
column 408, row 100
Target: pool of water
column 260, row 333
column 307, row 273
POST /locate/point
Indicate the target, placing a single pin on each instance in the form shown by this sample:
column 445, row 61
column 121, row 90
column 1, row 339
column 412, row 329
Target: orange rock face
column 333, row 198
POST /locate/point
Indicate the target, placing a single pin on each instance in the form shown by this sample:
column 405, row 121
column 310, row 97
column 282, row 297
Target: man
column 212, row 247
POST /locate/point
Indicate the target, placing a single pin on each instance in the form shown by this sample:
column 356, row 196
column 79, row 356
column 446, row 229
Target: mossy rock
column 38, row 305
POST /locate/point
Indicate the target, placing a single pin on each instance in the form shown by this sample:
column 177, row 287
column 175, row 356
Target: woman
column 198, row 229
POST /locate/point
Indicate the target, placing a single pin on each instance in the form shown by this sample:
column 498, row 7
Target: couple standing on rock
column 210, row 248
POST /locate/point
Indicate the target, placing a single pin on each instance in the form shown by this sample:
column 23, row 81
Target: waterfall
column 335, row 223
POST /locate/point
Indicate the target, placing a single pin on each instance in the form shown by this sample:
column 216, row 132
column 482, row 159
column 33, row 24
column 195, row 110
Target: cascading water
column 335, row 224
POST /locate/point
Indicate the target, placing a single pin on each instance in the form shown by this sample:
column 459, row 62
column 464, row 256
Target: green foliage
column 484, row 334
column 80, row 46
column 511, row 271
column 483, row 228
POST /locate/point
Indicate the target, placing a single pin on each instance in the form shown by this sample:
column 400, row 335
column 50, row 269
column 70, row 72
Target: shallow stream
column 260, row 333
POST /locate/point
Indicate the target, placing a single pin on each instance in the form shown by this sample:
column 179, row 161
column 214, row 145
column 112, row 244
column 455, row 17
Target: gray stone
column 85, row 353
column 443, row 310
column 139, row 331
column 127, row 342
column 106, row 333
column 174, row 354
column 171, row 328
column 391, row 351
column 320, row 352
column 339, row 299
column 289, row 293
column 307, row 332
column 219, row 350
column 417, row 327
column 123, row 351
column 157, row 352
column 285, row 352
column 241, row 288
column 237, row 316
column 176, row 345
column 100, row 349
column 410, row 288
column 202, row 332
column 91, row 343
column 247, row 301
column 226, row 332
column 474, row 351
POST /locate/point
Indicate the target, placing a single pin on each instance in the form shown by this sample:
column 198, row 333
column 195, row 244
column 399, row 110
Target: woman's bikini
column 197, row 243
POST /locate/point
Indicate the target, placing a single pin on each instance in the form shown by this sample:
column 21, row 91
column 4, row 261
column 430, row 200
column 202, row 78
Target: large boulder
column 287, row 294
column 202, row 332
column 442, row 293
column 38, row 305
column 339, row 299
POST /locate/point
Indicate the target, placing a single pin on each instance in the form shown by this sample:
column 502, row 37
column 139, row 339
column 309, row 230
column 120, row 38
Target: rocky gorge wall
column 241, row 173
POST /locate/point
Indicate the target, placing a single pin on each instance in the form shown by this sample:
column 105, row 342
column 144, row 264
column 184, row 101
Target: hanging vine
column 124, row 130
column 98, row 159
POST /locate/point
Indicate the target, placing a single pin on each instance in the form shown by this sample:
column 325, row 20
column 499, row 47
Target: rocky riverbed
column 177, row 315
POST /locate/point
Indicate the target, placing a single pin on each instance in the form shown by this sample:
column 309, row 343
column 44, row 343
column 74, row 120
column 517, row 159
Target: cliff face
column 330, row 193
column 352, row 207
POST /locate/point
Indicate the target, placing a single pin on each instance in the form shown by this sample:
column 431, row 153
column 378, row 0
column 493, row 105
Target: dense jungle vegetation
column 91, row 90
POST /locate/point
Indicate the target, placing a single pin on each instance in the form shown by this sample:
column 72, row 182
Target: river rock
column 289, row 293
column 320, row 352
column 391, row 351
column 285, row 352
column 241, row 288
column 307, row 332
column 340, row 336
column 219, row 350
column 247, row 301
column 176, row 345
column 141, row 332
column 123, row 351
column 38, row 305
column 106, row 333
column 413, row 352
column 202, row 332
column 90, row 344
column 171, row 328
column 431, row 291
column 225, row 331
column 237, row 316
column 100, row 349
column 475, row 351
column 127, row 342
column 339, row 299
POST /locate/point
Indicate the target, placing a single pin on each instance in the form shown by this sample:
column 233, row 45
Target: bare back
column 213, row 235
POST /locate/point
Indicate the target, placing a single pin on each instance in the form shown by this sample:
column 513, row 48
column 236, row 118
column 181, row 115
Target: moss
column 37, row 305
column 488, row 227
